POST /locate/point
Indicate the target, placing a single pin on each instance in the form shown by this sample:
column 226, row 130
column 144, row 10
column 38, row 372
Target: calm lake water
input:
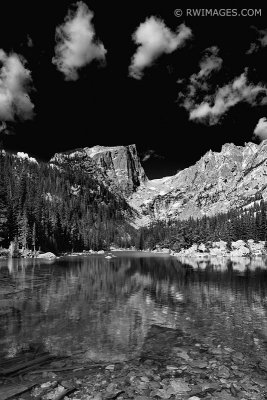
column 107, row 309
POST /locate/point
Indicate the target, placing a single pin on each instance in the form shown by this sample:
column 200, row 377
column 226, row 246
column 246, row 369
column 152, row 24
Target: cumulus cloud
column 29, row 41
column 154, row 38
column 260, row 42
column 150, row 154
column 215, row 105
column 3, row 126
column 76, row 43
column 199, row 82
column 260, row 130
column 210, row 62
column 15, row 80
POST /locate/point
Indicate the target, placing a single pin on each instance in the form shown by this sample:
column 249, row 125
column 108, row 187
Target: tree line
column 60, row 210
column 248, row 222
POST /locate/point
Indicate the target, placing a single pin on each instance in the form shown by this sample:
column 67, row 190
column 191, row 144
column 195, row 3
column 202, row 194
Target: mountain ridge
column 216, row 183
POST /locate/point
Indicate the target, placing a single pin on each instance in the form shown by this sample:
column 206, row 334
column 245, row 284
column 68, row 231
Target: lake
column 114, row 309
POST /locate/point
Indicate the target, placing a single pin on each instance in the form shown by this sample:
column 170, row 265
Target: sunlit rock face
column 121, row 164
column 118, row 165
column 217, row 183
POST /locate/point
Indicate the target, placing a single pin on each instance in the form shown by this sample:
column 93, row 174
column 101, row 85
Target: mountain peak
column 121, row 164
column 92, row 151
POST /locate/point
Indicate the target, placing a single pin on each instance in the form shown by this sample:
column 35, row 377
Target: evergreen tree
column 23, row 230
column 3, row 203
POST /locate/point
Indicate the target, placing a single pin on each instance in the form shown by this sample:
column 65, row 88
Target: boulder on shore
column 47, row 256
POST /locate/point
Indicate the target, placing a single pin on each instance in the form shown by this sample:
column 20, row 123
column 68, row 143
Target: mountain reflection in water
column 106, row 308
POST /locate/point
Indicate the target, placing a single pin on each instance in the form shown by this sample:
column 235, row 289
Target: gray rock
column 141, row 398
column 162, row 393
column 111, row 387
column 179, row 386
column 110, row 367
column 210, row 387
column 263, row 365
column 144, row 379
column 171, row 368
column 224, row 395
column 54, row 393
column 223, row 372
column 98, row 396
column 154, row 385
column 47, row 256
column 199, row 364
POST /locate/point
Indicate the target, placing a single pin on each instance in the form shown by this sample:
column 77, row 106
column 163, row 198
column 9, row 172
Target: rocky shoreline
column 48, row 255
column 240, row 248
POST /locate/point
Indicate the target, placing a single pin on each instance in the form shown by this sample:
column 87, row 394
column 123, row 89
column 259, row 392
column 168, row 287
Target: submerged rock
column 223, row 372
column 179, row 386
column 199, row 364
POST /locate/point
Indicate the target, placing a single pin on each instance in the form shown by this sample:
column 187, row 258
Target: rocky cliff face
column 118, row 166
column 121, row 164
column 216, row 183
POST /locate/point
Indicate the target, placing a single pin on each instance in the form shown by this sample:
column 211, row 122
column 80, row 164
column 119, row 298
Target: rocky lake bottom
column 137, row 326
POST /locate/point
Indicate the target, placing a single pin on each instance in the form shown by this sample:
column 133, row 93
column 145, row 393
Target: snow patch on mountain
column 25, row 156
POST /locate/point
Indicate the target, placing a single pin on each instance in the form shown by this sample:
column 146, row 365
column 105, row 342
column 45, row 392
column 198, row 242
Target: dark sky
column 107, row 107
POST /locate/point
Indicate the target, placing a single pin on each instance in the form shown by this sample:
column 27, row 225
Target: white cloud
column 3, row 126
column 29, row 41
column 199, row 83
column 210, row 62
column 261, row 129
column 150, row 154
column 261, row 41
column 154, row 38
column 76, row 44
column 215, row 106
column 14, row 83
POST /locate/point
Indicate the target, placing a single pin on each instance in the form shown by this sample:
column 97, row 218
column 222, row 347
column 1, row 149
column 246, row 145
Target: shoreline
column 222, row 249
column 202, row 252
